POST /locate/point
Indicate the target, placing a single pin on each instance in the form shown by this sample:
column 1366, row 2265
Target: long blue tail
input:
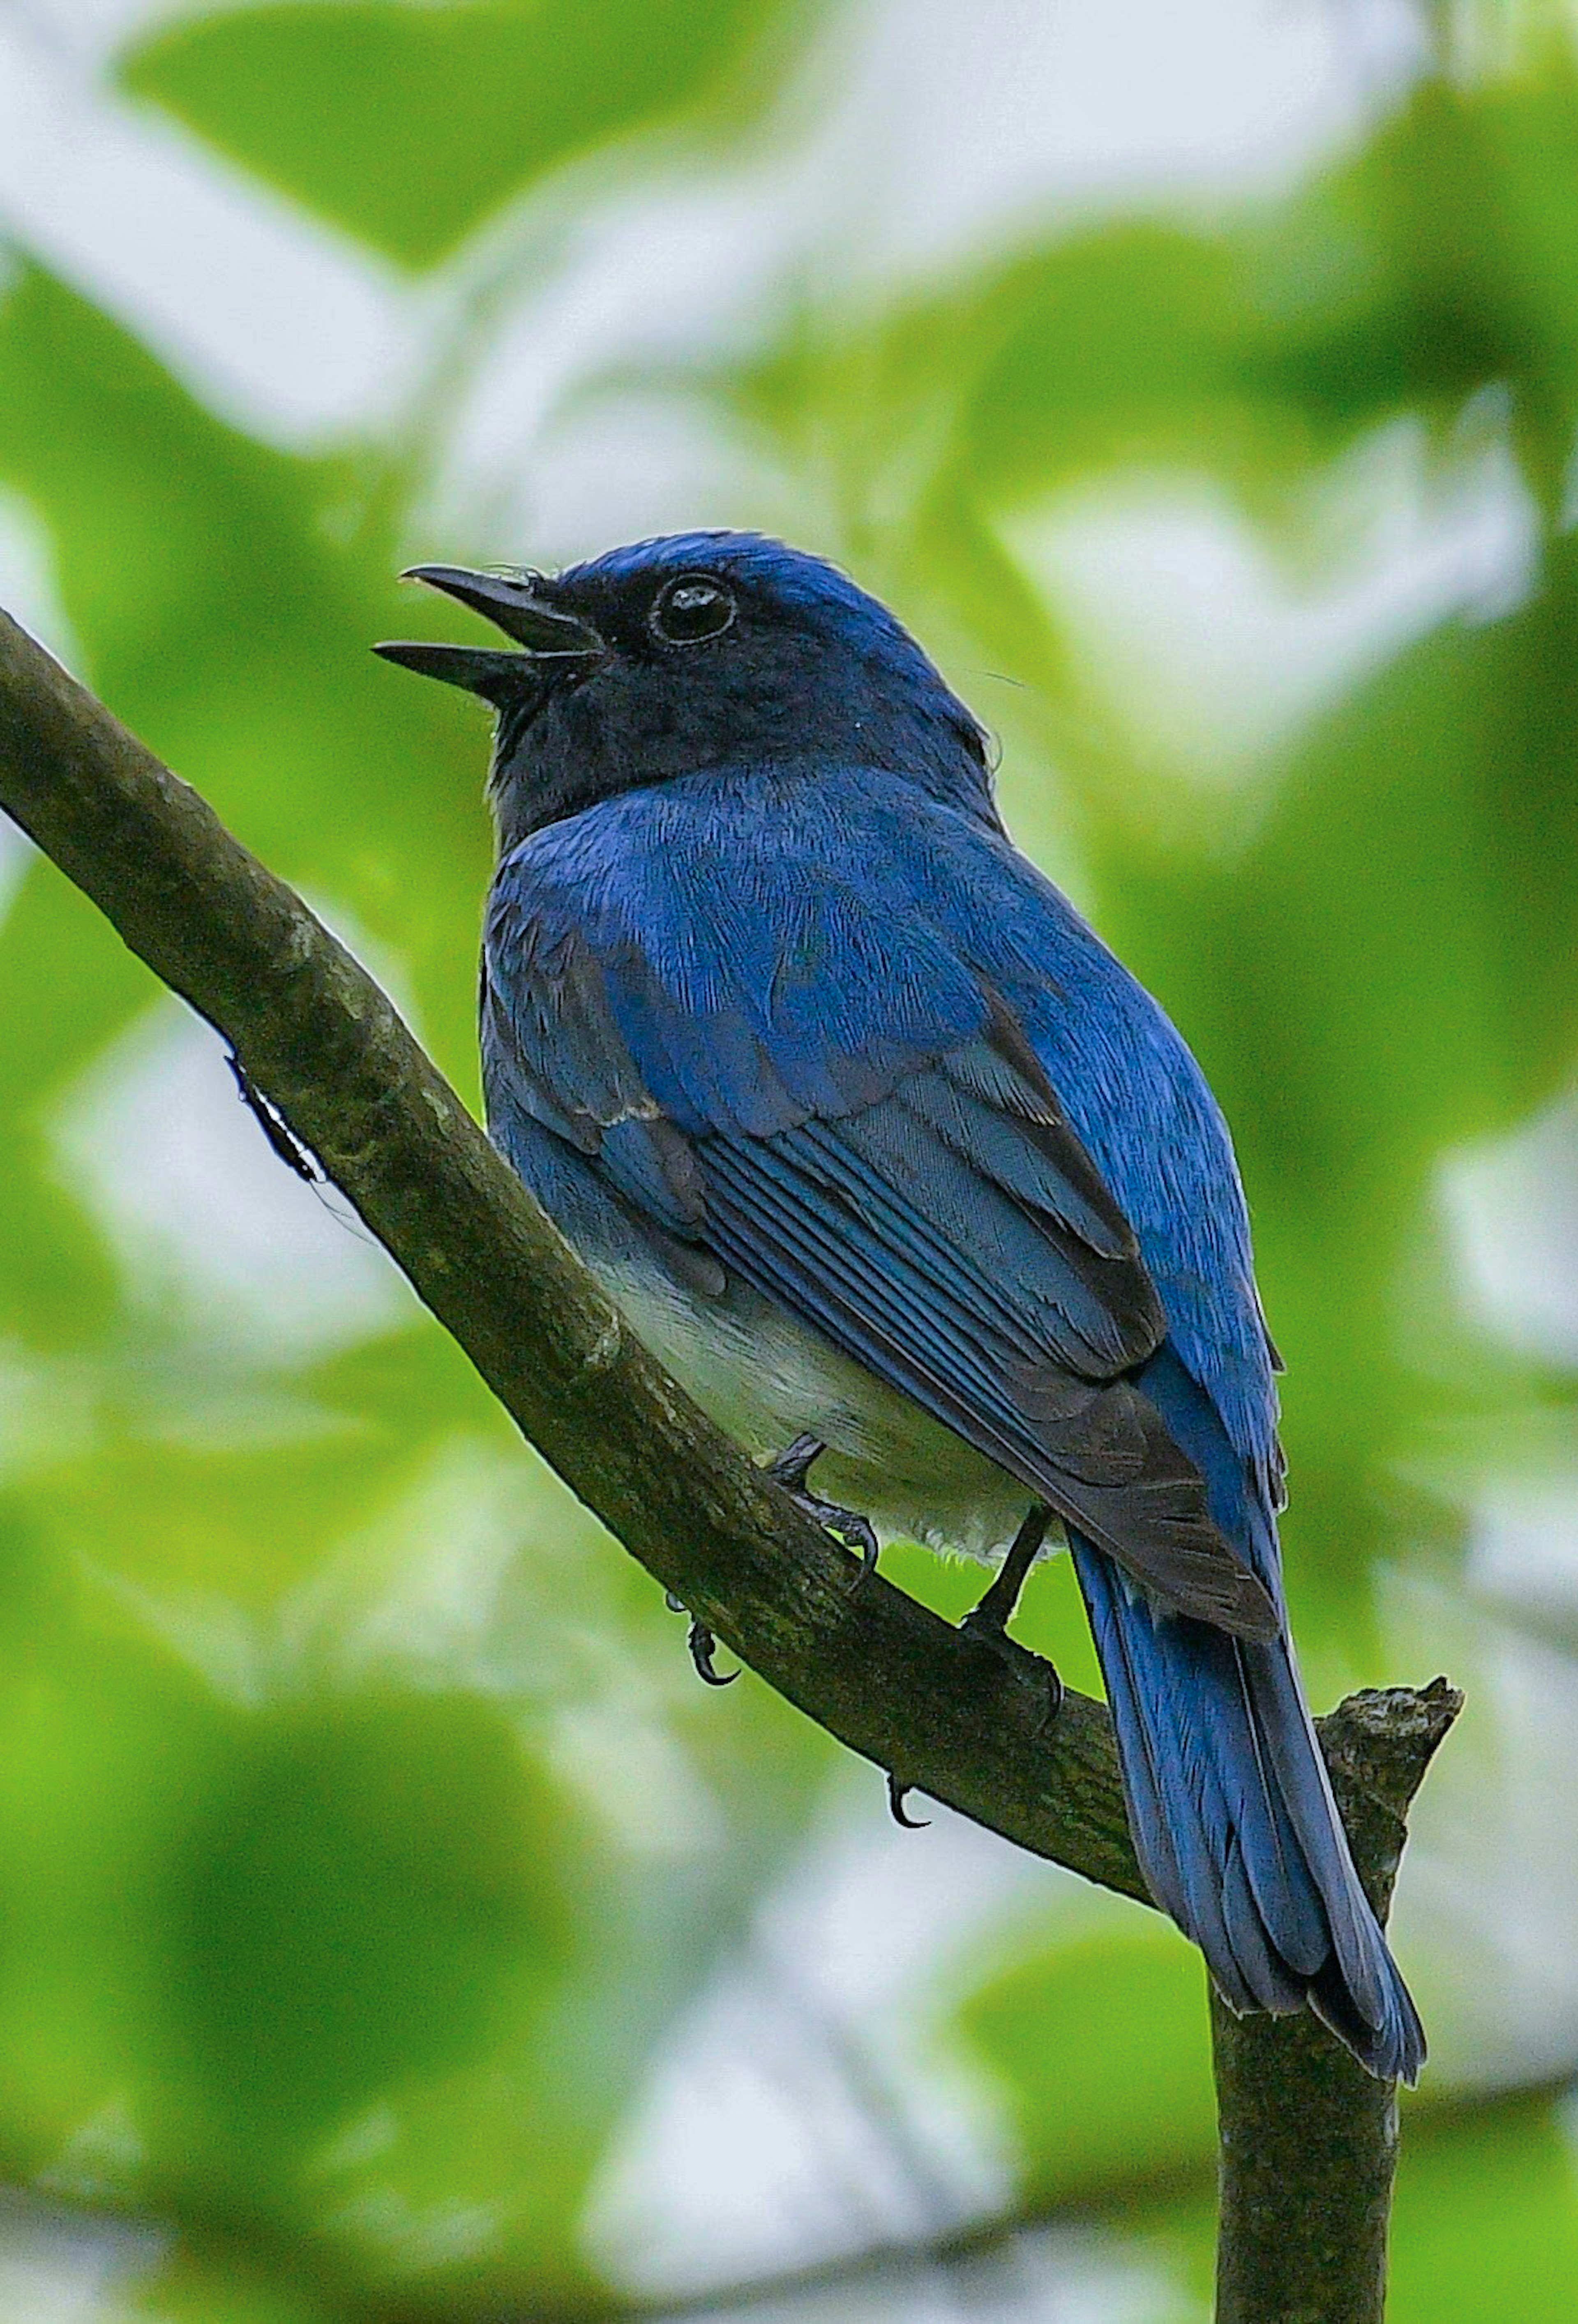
column 1229, row 1802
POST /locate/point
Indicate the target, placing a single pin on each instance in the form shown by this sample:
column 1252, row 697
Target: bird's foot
column 857, row 1532
column 702, row 1643
column 1034, row 1669
column 987, row 1623
column 791, row 1469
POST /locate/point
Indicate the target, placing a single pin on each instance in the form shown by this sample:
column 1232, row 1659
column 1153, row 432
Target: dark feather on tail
column 1234, row 1823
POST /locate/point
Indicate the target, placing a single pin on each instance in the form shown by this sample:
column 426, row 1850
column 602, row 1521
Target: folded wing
column 911, row 1188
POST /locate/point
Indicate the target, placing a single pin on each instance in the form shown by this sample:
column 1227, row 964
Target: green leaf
column 1103, row 2051
column 1486, row 2221
column 355, row 1904
column 227, row 596
column 67, row 986
column 407, row 124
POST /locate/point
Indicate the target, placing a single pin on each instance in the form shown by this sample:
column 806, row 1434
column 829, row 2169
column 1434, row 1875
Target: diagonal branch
column 325, row 1046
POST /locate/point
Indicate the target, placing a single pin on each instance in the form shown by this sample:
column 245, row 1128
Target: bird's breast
column 765, row 1378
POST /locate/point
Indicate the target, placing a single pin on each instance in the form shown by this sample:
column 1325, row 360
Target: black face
column 650, row 665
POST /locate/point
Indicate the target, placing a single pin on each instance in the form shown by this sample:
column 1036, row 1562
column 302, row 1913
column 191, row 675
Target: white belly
column 765, row 1378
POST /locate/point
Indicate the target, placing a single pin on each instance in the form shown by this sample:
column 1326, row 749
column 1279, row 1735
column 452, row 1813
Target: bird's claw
column 791, row 1469
column 702, row 1645
column 982, row 1626
column 857, row 1532
column 897, row 1793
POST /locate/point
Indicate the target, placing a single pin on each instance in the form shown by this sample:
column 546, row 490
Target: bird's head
column 705, row 651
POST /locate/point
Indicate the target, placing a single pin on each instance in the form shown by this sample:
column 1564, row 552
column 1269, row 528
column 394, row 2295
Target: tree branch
column 320, row 1040
column 323, row 1043
column 1293, row 2109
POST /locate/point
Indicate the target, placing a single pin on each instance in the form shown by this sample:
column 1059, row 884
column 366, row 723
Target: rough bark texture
column 320, row 1040
column 1293, row 2109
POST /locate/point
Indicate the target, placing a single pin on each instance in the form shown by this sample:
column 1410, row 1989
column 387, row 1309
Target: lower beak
column 549, row 638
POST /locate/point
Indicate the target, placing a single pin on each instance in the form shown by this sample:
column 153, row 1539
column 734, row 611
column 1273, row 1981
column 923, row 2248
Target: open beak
column 550, row 639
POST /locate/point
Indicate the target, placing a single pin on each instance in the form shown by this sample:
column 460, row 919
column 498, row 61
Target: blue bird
column 905, row 1177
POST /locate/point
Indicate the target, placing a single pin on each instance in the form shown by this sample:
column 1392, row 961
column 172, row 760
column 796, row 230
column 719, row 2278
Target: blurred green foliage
column 363, row 1840
column 460, row 106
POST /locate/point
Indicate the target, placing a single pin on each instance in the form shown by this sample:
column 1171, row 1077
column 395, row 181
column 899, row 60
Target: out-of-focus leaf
column 357, row 1926
column 1413, row 276
column 348, row 1910
column 227, row 608
column 68, row 985
column 407, row 124
column 405, row 1384
column 104, row 1746
column 236, row 1525
column 227, row 2289
column 1462, row 214
column 1118, row 345
column 1101, row 2048
column 58, row 1286
column 1486, row 2224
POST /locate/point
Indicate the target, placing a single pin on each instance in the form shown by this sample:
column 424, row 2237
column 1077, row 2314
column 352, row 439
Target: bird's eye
column 690, row 609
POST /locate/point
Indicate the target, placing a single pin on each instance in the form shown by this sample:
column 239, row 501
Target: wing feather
column 924, row 1201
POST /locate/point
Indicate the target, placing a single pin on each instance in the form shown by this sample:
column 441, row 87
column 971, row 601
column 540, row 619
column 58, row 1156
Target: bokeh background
column 389, row 1926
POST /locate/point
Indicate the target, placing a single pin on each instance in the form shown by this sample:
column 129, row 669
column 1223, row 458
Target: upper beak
column 547, row 634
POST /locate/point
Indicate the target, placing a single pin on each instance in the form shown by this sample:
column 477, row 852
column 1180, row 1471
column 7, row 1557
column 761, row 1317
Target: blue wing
column 847, row 1043
column 815, row 1082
